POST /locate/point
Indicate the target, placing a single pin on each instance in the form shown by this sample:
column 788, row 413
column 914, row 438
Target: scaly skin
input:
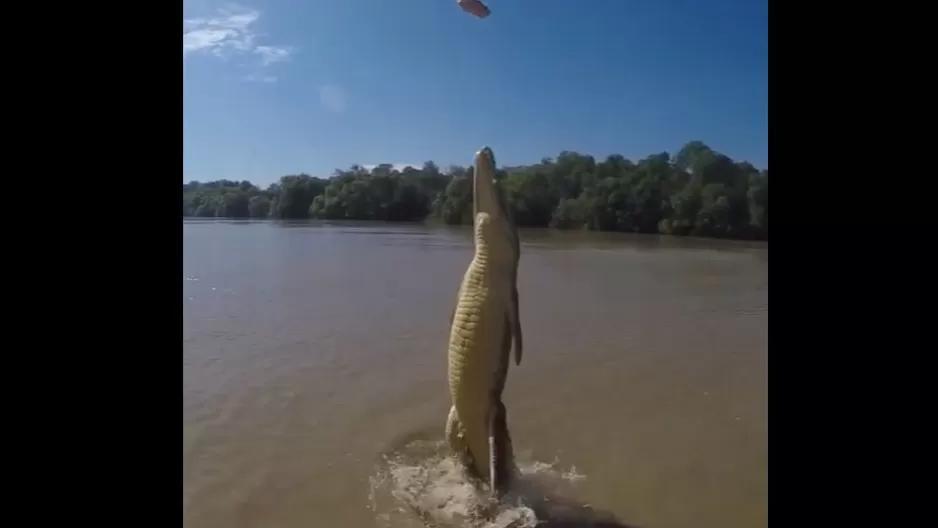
column 483, row 324
column 488, row 198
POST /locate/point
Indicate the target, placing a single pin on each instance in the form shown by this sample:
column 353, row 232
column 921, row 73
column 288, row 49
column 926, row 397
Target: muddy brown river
column 314, row 376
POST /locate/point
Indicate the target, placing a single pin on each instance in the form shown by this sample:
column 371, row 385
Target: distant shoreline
column 434, row 223
column 698, row 192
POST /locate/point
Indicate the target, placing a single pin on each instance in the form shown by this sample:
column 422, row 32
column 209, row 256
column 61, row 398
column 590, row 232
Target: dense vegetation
column 696, row 192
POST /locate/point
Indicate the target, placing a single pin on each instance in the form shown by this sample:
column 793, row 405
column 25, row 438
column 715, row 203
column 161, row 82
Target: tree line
column 697, row 192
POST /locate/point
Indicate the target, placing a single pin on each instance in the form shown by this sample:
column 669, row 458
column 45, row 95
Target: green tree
column 698, row 191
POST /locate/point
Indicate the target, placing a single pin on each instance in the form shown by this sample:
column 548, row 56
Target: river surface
column 315, row 353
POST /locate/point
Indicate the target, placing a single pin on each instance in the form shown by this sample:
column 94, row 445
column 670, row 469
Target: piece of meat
column 474, row 7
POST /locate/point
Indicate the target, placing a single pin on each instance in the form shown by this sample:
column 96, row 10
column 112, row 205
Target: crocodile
column 484, row 325
column 492, row 201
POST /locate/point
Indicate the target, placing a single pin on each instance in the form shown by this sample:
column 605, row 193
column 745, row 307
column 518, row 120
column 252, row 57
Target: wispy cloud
column 230, row 32
column 332, row 97
column 260, row 78
column 272, row 54
column 396, row 166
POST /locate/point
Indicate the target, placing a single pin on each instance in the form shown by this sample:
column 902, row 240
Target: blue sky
column 275, row 87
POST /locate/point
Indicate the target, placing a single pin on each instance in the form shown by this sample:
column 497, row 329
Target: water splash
column 422, row 486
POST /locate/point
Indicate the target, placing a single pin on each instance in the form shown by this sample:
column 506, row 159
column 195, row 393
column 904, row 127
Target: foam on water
column 422, row 486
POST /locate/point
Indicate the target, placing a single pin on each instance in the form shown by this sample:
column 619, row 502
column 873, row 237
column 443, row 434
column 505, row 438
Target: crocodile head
column 485, row 194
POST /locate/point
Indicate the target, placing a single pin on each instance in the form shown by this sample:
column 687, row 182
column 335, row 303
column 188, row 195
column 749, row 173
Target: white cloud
column 396, row 166
column 227, row 33
column 332, row 97
column 260, row 78
column 272, row 54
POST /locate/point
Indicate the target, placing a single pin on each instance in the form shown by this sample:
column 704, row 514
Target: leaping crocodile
column 489, row 199
column 484, row 324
